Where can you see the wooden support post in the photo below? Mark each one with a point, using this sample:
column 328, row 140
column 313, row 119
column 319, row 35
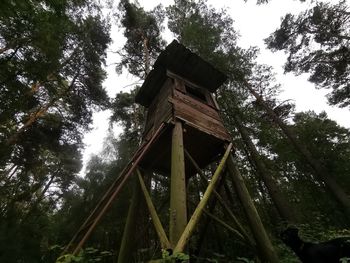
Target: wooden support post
column 129, row 243
column 264, row 244
column 106, row 201
column 227, row 226
column 203, row 180
column 178, row 210
column 156, row 221
column 199, row 210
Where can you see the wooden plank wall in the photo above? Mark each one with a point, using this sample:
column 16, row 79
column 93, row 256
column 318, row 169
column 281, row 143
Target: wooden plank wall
column 172, row 101
column 199, row 115
column 160, row 109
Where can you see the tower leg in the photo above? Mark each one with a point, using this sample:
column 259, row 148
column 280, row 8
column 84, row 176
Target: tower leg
column 178, row 210
column 180, row 246
column 264, row 244
column 128, row 244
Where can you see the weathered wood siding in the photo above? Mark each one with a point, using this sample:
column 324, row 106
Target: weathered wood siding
column 174, row 101
column 198, row 115
column 160, row 109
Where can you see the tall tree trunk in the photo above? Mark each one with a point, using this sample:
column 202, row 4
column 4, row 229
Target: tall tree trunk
column 281, row 204
column 338, row 193
column 41, row 111
column 4, row 49
column 147, row 55
column 31, row 119
column 39, row 198
column 9, row 173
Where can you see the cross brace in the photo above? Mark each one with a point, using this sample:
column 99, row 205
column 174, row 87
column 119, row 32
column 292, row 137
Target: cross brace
column 186, row 234
column 101, row 208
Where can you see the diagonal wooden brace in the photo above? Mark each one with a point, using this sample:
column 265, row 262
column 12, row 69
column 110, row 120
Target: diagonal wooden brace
column 227, row 226
column 105, row 202
column 199, row 210
column 239, row 227
column 157, row 224
column 263, row 242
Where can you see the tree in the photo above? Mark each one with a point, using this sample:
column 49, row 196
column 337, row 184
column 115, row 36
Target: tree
column 259, row 2
column 264, row 155
column 210, row 34
column 317, row 42
column 327, row 142
column 51, row 78
column 51, row 70
column 320, row 171
column 128, row 114
column 51, row 57
column 144, row 42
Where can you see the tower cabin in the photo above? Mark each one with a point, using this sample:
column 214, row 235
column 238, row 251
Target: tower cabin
column 180, row 87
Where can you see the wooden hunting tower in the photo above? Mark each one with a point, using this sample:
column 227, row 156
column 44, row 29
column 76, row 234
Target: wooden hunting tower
column 183, row 134
column 179, row 88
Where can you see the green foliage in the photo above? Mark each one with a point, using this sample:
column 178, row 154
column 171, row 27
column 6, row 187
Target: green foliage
column 69, row 259
column 245, row 260
column 81, row 199
column 88, row 255
column 51, row 58
column 142, row 30
column 176, row 257
column 317, row 43
column 327, row 142
column 130, row 115
column 210, row 34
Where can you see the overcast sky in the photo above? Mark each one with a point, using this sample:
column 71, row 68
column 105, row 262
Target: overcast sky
column 254, row 23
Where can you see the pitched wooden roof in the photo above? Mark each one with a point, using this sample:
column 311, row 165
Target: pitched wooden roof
column 181, row 61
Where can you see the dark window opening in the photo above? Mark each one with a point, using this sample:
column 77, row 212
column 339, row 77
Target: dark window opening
column 196, row 93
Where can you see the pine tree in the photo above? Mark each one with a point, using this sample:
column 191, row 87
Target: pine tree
column 317, row 42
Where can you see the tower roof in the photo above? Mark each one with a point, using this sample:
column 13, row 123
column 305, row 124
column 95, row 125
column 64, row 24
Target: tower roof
column 181, row 61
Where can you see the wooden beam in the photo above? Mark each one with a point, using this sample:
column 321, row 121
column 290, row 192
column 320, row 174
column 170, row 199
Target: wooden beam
column 106, row 201
column 178, row 209
column 227, row 226
column 199, row 210
column 264, row 244
column 155, row 219
column 240, row 228
column 129, row 243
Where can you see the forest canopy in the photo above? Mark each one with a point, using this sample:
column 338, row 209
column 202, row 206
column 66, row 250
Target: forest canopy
column 295, row 165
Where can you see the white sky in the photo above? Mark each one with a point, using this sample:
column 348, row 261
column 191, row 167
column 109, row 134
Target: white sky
column 254, row 23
